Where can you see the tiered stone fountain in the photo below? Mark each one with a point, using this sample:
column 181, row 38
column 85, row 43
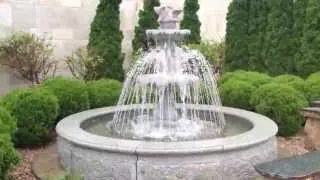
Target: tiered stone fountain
column 169, row 122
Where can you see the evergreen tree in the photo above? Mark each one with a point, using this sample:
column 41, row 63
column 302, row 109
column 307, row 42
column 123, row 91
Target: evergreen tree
column 148, row 19
column 191, row 21
column 279, row 38
column 310, row 60
column 236, row 56
column 258, row 21
column 105, row 39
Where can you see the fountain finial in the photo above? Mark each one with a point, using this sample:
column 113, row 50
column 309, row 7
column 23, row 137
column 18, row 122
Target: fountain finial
column 168, row 17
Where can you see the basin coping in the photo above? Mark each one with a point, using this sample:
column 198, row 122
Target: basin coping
column 263, row 129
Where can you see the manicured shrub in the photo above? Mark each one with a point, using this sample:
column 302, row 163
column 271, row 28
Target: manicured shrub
column 236, row 93
column 279, row 43
column 36, row 111
column 72, row 95
column 258, row 21
column 8, row 124
column 191, row 21
column 148, row 19
column 313, row 84
column 237, row 54
column 105, row 39
column 8, row 155
column 293, row 81
column 309, row 61
column 104, row 92
column 281, row 103
column 255, row 78
column 300, row 12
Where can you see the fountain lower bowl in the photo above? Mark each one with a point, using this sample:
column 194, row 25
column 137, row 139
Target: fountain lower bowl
column 100, row 156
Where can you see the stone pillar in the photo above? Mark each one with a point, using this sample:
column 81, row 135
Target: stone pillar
column 312, row 128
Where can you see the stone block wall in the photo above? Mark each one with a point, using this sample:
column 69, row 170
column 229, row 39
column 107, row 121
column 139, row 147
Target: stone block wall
column 67, row 23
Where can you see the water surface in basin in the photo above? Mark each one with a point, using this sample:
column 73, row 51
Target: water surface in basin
column 97, row 125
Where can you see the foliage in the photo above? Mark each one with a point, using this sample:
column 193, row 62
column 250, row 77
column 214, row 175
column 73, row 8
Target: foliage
column 8, row 155
column 237, row 54
column 148, row 19
column 36, row 111
column 236, row 93
column 104, row 92
column 191, row 21
column 309, row 61
column 105, row 39
column 282, row 104
column 313, row 84
column 255, row 78
column 214, row 52
column 300, row 7
column 8, row 124
column 72, row 95
column 279, row 41
column 294, row 81
column 28, row 56
column 83, row 64
column 258, row 21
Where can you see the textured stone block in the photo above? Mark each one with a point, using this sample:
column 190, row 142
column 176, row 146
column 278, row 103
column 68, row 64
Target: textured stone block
column 5, row 14
column 24, row 16
column 56, row 17
column 71, row 3
column 49, row 2
column 62, row 33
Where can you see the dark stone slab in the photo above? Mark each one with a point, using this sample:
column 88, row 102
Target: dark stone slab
column 307, row 165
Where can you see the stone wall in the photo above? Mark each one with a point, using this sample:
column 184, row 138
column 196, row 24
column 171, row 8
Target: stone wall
column 67, row 22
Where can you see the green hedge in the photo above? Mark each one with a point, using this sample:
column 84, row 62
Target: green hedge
column 294, row 81
column 36, row 111
column 8, row 124
column 8, row 155
column 236, row 93
column 282, row 104
column 72, row 95
column 313, row 84
column 104, row 92
column 255, row 78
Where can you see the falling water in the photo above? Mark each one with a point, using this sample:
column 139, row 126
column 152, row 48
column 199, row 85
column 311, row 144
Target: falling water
column 162, row 85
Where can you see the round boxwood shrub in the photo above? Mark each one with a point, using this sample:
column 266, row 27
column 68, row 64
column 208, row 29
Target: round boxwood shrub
column 71, row 93
column 236, row 93
column 293, row 81
column 7, row 122
column 104, row 92
column 35, row 111
column 313, row 84
column 228, row 75
column 282, row 104
column 314, row 76
column 255, row 78
column 8, row 155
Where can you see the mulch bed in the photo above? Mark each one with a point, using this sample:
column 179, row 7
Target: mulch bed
column 23, row 171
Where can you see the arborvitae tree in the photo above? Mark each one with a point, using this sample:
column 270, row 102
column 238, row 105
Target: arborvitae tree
column 310, row 61
column 279, row 38
column 191, row 21
column 258, row 21
column 237, row 36
column 105, row 39
column 148, row 19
